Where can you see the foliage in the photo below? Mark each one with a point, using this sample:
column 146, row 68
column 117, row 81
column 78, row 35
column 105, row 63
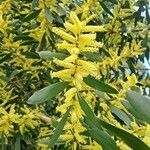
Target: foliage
column 73, row 75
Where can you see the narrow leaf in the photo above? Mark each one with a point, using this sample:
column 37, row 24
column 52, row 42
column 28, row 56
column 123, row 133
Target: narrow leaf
column 128, row 106
column 94, row 129
column 48, row 15
column 42, row 44
column 85, row 107
column 17, row 145
column 57, row 131
column 128, row 138
column 113, row 1
column 98, row 85
column 121, row 115
column 93, row 56
column 47, row 93
column 103, row 139
column 47, row 55
column 31, row 16
column 106, row 9
column 140, row 103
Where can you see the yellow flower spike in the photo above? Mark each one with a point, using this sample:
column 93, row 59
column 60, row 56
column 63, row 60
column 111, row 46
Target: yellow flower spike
column 70, row 27
column 67, row 137
column 79, row 138
column 85, row 39
column 146, row 138
column 7, row 122
column 77, row 109
column 64, row 64
column 85, row 12
column 104, row 106
column 74, row 50
column 64, row 35
column 90, row 67
column 62, row 108
column 68, row 126
column 122, row 145
column 70, row 93
column 28, row 120
column 75, row 20
column 90, row 28
column 65, row 45
column 90, row 18
column 74, row 117
column 65, row 74
column 71, row 59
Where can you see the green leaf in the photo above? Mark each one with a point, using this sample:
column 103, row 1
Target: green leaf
column 58, row 19
column 147, row 14
column 93, row 56
column 98, row 85
column 23, row 38
column 50, row 142
column 132, row 110
column 47, row 93
column 121, row 115
column 113, row 1
column 106, row 9
column 17, row 145
column 48, row 15
column 31, row 16
column 5, row 58
column 94, row 130
column 85, row 107
column 61, row 11
column 47, row 55
column 42, row 44
column 140, row 103
column 103, row 139
column 34, row 4
column 128, row 138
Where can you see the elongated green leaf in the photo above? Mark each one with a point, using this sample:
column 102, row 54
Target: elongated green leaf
column 31, row 16
column 94, row 130
column 92, row 56
column 47, row 55
column 121, row 115
column 103, row 139
column 132, row 110
column 113, row 1
column 42, row 44
column 61, row 11
column 147, row 14
column 106, row 9
column 23, row 37
column 140, row 103
column 5, row 58
column 47, row 93
column 34, row 4
column 50, row 142
column 98, row 85
column 17, row 145
column 128, row 138
column 48, row 15
column 85, row 107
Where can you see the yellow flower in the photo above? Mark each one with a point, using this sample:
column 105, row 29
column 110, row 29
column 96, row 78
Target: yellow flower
column 28, row 120
column 8, row 121
column 64, row 35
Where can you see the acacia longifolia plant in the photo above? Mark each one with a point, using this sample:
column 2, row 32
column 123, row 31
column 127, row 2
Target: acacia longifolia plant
column 74, row 75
